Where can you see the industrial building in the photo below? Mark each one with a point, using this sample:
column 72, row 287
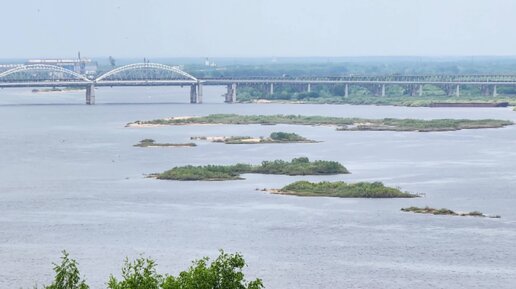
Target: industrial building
column 83, row 66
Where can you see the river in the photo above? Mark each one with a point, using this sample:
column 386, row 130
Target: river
column 71, row 179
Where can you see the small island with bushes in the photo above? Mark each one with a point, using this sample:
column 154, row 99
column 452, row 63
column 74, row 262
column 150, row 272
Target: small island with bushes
column 298, row 166
column 447, row 212
column 343, row 124
column 146, row 143
column 374, row 190
column 433, row 125
column 274, row 138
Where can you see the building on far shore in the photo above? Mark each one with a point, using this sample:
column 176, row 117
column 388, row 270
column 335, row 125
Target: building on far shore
column 209, row 63
column 83, row 66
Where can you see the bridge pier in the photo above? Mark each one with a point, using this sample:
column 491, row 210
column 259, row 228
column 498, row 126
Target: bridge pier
column 376, row 89
column 420, row 92
column 271, row 89
column 193, row 93
column 231, row 94
column 309, row 88
column 346, row 90
column 90, row 94
column 489, row 90
column 199, row 92
column 448, row 89
column 457, row 90
column 383, row 90
column 196, row 93
column 485, row 90
column 412, row 90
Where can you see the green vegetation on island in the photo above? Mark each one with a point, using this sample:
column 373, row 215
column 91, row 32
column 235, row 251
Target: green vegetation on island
column 287, row 137
column 152, row 143
column 226, row 271
column 298, row 166
column 443, row 211
column 386, row 124
column 343, row 190
column 275, row 137
column 391, row 124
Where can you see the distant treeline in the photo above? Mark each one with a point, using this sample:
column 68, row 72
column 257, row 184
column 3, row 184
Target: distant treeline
column 345, row 68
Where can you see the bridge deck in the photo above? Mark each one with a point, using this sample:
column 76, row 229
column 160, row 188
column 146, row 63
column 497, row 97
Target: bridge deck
column 213, row 82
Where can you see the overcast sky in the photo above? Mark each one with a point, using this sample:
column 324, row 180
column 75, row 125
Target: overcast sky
column 256, row 28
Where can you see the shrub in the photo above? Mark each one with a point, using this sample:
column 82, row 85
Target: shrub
column 67, row 275
column 140, row 274
column 225, row 272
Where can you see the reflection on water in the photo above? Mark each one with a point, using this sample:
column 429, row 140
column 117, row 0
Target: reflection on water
column 71, row 179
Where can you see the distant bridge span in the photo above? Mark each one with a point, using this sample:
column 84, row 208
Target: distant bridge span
column 155, row 74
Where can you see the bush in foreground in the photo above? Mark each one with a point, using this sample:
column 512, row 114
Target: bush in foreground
column 67, row 275
column 225, row 272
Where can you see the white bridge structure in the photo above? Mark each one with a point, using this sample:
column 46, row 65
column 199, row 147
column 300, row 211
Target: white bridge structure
column 155, row 74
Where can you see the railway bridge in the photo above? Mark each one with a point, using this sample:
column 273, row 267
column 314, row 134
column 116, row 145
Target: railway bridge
column 155, row 74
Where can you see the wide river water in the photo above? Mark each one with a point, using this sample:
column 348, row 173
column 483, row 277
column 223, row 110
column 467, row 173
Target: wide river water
column 71, row 179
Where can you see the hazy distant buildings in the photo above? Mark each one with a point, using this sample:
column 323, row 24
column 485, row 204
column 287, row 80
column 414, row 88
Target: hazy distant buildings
column 83, row 66
column 208, row 63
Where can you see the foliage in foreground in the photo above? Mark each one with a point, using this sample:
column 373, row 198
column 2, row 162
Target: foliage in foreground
column 225, row 272
column 67, row 275
column 387, row 124
column 298, row 166
column 344, row 190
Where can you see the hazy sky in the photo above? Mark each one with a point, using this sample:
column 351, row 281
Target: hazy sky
column 248, row 28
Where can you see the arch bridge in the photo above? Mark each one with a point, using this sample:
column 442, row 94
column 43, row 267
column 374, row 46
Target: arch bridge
column 138, row 74
column 155, row 74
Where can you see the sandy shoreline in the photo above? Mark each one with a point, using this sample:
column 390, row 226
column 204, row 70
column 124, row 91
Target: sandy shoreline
column 272, row 191
column 138, row 124
column 168, row 146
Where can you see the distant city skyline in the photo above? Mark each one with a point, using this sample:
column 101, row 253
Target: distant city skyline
column 257, row 28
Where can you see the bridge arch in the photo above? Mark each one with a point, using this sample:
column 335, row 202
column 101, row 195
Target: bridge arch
column 145, row 66
column 49, row 69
